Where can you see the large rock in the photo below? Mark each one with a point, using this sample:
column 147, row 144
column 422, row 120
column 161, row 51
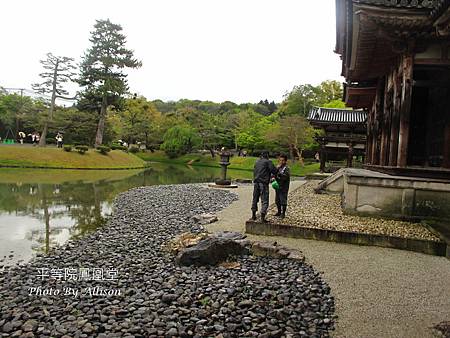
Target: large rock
column 210, row 251
column 274, row 250
column 235, row 236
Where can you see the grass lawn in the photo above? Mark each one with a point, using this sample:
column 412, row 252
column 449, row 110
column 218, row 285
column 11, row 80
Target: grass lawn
column 51, row 157
column 239, row 163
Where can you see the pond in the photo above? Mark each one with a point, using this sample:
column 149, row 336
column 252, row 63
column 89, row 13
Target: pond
column 40, row 209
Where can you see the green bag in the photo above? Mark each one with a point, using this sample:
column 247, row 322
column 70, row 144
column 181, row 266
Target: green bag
column 275, row 185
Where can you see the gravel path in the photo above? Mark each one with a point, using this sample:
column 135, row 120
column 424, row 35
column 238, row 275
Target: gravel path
column 152, row 297
column 324, row 212
column 379, row 292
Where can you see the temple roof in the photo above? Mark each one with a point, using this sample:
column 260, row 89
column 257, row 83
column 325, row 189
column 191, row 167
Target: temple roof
column 372, row 34
column 341, row 116
column 440, row 7
column 425, row 4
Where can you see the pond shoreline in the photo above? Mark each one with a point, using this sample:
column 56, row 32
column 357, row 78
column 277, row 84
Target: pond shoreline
column 159, row 298
column 71, row 168
column 236, row 162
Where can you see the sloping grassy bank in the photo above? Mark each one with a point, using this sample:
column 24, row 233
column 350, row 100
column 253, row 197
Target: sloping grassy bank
column 239, row 163
column 35, row 157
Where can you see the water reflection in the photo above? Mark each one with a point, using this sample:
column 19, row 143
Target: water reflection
column 40, row 209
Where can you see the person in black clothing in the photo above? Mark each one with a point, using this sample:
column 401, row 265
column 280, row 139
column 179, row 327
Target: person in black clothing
column 262, row 173
column 283, row 177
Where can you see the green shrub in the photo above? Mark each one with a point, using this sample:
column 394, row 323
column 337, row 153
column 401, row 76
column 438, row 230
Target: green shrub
column 153, row 147
column 172, row 154
column 68, row 148
column 118, row 147
column 50, row 140
column 82, row 149
column 104, row 150
column 134, row 150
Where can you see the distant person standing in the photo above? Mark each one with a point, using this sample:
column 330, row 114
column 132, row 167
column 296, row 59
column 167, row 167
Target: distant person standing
column 33, row 138
column 59, row 140
column 37, row 138
column 283, row 177
column 21, row 136
column 262, row 172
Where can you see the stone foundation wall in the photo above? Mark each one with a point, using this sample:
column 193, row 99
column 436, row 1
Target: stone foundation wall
column 397, row 197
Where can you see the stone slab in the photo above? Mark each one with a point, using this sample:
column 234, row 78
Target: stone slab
column 276, row 229
column 243, row 180
column 230, row 186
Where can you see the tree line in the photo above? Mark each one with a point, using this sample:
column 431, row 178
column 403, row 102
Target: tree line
column 104, row 111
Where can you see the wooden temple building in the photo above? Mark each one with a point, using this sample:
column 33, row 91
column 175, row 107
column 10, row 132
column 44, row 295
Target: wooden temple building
column 396, row 63
column 344, row 133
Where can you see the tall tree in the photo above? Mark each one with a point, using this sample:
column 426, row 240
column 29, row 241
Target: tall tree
column 327, row 91
column 299, row 101
column 138, row 121
column 58, row 70
column 102, row 75
column 180, row 140
column 238, row 122
column 210, row 129
column 292, row 132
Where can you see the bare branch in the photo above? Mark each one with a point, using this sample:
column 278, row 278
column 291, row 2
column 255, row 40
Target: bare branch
column 67, row 98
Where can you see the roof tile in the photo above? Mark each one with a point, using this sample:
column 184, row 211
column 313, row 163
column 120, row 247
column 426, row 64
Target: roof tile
column 318, row 114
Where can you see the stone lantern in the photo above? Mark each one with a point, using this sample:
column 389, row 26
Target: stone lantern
column 224, row 163
column 223, row 182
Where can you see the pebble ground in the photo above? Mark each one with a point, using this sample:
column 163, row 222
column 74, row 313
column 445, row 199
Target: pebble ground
column 263, row 298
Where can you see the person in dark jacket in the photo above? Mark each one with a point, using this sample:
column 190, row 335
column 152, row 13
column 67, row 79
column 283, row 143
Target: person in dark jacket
column 262, row 172
column 283, row 177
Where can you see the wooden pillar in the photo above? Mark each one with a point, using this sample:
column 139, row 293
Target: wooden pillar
column 393, row 153
column 405, row 111
column 350, row 155
column 384, row 110
column 383, row 149
column 367, row 155
column 377, row 125
column 322, row 157
column 370, row 136
column 374, row 148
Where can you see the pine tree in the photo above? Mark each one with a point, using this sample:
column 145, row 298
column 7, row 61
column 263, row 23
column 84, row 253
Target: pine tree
column 102, row 67
column 59, row 70
column 272, row 107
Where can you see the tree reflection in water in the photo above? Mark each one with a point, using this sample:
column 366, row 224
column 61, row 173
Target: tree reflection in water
column 69, row 203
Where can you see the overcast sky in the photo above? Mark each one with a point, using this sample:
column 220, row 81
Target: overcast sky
column 237, row 50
